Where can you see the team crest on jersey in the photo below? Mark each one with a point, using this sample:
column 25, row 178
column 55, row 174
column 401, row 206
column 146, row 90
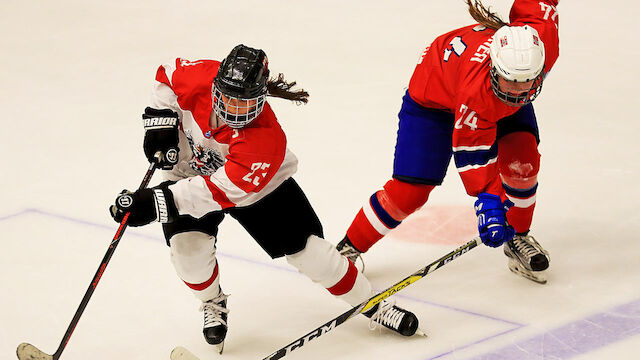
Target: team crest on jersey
column 205, row 160
column 503, row 41
column 536, row 41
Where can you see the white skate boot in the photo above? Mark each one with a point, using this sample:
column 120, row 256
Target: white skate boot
column 527, row 258
column 215, row 320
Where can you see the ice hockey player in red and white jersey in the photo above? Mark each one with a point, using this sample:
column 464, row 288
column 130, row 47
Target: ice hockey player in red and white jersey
column 470, row 97
column 224, row 153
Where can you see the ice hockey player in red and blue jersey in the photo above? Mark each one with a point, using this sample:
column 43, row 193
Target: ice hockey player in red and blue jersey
column 224, row 153
column 470, row 97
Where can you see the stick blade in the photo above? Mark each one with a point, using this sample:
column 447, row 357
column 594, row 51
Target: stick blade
column 180, row 353
column 29, row 352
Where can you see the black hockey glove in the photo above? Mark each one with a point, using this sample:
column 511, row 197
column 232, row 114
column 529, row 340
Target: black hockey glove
column 161, row 135
column 145, row 206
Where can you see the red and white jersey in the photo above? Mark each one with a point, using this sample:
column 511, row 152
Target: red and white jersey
column 453, row 75
column 218, row 167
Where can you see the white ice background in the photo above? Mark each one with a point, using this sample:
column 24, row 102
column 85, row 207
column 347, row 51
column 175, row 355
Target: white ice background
column 76, row 75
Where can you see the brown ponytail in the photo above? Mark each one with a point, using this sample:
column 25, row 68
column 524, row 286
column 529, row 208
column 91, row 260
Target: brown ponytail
column 278, row 87
column 484, row 16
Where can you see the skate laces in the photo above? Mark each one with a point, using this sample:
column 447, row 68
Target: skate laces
column 386, row 315
column 351, row 253
column 527, row 245
column 213, row 310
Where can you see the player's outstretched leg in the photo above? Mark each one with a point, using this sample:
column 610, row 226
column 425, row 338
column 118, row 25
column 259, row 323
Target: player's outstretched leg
column 527, row 257
column 321, row 262
column 215, row 320
column 385, row 210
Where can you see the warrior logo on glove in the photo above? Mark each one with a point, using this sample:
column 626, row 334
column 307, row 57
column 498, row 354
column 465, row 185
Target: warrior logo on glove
column 171, row 156
column 161, row 135
column 145, row 206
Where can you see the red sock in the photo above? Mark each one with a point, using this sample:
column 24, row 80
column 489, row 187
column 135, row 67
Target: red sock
column 385, row 210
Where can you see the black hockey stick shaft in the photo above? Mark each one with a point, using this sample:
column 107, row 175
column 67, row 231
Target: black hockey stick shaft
column 101, row 269
column 374, row 300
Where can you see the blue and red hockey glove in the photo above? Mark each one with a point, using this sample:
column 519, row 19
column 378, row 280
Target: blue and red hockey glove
column 492, row 220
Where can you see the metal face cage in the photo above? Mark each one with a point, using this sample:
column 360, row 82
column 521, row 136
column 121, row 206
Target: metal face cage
column 234, row 111
column 520, row 99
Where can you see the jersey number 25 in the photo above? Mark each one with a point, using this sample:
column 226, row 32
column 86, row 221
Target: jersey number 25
column 254, row 178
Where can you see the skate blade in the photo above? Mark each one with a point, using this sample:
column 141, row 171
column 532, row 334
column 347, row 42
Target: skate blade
column 181, row 353
column 219, row 347
column 29, row 352
column 420, row 332
column 539, row 277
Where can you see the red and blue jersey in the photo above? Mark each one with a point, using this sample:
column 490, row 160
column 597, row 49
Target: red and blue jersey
column 453, row 75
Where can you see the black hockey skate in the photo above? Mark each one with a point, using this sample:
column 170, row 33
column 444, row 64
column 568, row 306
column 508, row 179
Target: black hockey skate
column 215, row 321
column 346, row 248
column 395, row 318
column 527, row 257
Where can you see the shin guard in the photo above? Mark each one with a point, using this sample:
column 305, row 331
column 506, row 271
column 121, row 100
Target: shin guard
column 323, row 264
column 385, row 210
column 519, row 163
column 193, row 255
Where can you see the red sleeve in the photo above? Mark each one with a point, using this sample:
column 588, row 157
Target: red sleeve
column 475, row 152
column 163, row 76
column 189, row 80
column 543, row 16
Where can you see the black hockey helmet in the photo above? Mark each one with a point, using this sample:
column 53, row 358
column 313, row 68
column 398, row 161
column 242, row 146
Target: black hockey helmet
column 240, row 87
column 243, row 73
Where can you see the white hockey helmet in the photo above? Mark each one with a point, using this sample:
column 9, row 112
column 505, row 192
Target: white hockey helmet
column 517, row 55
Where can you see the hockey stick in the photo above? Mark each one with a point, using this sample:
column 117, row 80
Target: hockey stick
column 180, row 353
column 374, row 300
column 29, row 352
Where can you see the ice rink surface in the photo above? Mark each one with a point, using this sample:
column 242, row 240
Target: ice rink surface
column 76, row 75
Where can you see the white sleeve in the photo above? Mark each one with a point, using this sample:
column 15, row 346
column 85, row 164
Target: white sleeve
column 192, row 197
column 162, row 95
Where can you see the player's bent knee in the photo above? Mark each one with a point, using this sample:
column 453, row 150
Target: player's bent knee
column 193, row 255
column 519, row 160
column 519, row 175
column 191, row 243
column 520, row 182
